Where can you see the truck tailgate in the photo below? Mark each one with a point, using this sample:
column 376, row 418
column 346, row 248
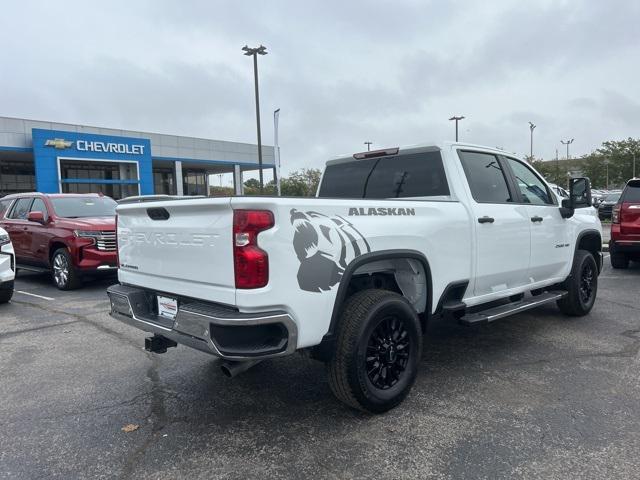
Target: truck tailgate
column 178, row 246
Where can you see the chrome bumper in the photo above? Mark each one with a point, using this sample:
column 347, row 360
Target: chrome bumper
column 208, row 327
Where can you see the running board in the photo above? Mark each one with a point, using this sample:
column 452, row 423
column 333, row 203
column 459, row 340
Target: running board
column 32, row 268
column 502, row 311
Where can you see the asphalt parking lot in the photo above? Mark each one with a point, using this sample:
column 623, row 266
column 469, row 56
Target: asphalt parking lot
column 535, row 396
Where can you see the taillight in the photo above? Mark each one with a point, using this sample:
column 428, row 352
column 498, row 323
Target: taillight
column 615, row 214
column 251, row 263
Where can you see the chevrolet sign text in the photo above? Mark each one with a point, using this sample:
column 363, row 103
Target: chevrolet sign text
column 107, row 147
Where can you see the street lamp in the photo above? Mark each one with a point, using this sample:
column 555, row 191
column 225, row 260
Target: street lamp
column 368, row 144
column 567, row 143
column 254, row 52
column 456, row 119
column 532, row 127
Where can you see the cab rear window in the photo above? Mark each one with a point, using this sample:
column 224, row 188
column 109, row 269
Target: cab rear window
column 399, row 176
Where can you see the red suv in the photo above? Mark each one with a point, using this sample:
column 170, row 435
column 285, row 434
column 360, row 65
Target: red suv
column 68, row 235
column 625, row 227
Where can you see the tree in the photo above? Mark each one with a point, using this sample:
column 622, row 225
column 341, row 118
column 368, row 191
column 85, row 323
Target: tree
column 302, row 183
column 619, row 156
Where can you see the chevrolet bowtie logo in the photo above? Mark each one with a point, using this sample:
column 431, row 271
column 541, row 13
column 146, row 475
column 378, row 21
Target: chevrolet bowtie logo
column 58, row 143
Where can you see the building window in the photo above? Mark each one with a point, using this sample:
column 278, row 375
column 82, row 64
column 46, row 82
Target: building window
column 113, row 190
column 163, row 181
column 107, row 178
column 195, row 182
column 16, row 177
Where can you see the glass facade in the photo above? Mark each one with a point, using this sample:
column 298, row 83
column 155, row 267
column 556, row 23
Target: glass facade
column 16, row 176
column 164, row 181
column 79, row 176
column 195, row 182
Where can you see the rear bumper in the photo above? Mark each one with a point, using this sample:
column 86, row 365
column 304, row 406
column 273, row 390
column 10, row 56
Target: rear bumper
column 624, row 246
column 212, row 328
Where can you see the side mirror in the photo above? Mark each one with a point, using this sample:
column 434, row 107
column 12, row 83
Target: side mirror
column 37, row 217
column 579, row 196
column 580, row 192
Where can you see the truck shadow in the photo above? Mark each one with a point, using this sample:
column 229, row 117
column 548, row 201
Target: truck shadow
column 296, row 386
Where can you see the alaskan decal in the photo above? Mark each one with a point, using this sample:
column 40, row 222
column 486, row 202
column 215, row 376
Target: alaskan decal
column 382, row 211
column 324, row 246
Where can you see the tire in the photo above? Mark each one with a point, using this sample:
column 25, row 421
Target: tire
column 6, row 295
column 64, row 275
column 582, row 286
column 619, row 260
column 358, row 380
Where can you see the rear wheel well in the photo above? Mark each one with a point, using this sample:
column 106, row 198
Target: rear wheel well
column 406, row 272
column 405, row 276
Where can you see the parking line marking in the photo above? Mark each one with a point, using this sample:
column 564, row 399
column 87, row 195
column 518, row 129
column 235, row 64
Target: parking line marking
column 34, row 295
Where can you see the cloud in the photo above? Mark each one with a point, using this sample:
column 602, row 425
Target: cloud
column 391, row 72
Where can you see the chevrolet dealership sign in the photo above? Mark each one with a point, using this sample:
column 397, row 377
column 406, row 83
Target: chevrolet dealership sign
column 95, row 146
column 58, row 143
column 108, row 147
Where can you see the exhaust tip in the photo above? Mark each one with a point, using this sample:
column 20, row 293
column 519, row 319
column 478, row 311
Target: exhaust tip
column 226, row 371
column 233, row 369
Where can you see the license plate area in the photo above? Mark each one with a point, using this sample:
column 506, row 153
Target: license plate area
column 167, row 307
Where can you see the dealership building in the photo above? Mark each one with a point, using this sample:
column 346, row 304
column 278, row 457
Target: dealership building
column 53, row 157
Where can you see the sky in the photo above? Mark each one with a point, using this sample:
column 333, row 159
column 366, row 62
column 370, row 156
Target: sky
column 341, row 72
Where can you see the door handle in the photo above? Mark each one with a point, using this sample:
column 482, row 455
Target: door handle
column 537, row 219
column 486, row 219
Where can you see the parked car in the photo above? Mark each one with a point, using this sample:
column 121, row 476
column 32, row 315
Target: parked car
column 625, row 227
column 559, row 191
column 597, row 196
column 69, row 235
column 606, row 206
column 396, row 237
column 7, row 267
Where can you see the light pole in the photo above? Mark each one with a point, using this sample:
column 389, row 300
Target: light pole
column 368, row 144
column 456, row 119
column 632, row 151
column 532, row 127
column 557, row 168
column 567, row 143
column 254, row 52
column 606, row 164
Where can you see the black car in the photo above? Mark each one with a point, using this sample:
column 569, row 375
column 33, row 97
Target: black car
column 606, row 206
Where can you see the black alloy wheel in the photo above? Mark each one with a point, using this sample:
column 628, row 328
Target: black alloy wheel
column 388, row 352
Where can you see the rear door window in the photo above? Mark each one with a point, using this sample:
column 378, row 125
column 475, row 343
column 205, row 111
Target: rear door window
column 486, row 178
column 20, row 209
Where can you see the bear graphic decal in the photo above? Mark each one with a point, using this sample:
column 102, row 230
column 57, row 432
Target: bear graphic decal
column 324, row 245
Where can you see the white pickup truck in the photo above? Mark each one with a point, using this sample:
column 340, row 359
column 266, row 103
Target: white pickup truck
column 393, row 239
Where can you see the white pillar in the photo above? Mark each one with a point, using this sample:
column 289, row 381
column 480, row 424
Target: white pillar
column 207, row 184
column 237, row 180
column 179, row 189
